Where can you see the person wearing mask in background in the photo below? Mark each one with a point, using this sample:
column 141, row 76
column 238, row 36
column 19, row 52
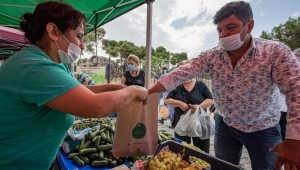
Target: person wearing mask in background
column 164, row 70
column 188, row 95
column 297, row 53
column 134, row 76
column 247, row 77
column 283, row 108
column 40, row 96
column 84, row 79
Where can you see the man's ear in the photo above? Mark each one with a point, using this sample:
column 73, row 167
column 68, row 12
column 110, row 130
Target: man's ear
column 52, row 31
column 250, row 25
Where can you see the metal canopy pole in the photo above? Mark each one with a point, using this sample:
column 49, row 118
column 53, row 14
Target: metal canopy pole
column 148, row 44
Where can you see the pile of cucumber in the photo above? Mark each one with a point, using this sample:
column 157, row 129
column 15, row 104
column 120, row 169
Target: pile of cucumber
column 96, row 147
column 163, row 135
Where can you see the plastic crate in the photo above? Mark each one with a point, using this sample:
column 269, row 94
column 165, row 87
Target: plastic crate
column 216, row 164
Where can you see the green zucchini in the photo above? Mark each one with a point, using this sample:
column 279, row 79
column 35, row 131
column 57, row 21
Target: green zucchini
column 113, row 163
column 78, row 161
column 82, row 142
column 101, row 163
column 103, row 137
column 101, row 155
column 71, row 155
column 88, row 151
column 84, row 159
column 93, row 156
column 105, row 147
column 92, row 135
column 86, row 145
column 107, row 136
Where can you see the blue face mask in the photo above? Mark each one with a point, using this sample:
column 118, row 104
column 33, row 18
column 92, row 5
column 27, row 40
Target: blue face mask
column 131, row 67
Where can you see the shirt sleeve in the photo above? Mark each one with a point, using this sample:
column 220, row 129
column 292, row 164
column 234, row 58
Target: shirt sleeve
column 285, row 73
column 206, row 93
column 45, row 82
column 172, row 94
column 196, row 67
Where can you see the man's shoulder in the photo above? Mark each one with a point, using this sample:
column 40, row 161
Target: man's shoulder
column 260, row 42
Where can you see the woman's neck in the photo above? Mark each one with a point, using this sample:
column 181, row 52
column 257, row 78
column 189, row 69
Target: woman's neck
column 134, row 73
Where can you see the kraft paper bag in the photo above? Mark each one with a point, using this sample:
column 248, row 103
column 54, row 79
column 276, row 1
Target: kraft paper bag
column 136, row 129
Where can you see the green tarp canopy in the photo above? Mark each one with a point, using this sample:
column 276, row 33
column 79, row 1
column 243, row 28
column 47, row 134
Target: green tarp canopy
column 97, row 12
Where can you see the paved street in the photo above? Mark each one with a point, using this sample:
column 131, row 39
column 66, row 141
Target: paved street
column 245, row 160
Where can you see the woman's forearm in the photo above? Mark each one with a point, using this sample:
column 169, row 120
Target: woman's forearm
column 206, row 103
column 173, row 102
column 105, row 87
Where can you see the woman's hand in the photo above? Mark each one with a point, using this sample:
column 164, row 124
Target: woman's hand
column 142, row 93
column 183, row 106
column 193, row 107
column 117, row 86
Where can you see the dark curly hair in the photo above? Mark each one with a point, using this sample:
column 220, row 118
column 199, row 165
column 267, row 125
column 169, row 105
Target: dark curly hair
column 240, row 9
column 62, row 15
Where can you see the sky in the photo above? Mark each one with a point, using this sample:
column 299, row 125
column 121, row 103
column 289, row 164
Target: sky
column 187, row 25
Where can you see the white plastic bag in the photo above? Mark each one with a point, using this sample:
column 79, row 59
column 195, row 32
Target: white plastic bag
column 207, row 124
column 182, row 124
column 194, row 128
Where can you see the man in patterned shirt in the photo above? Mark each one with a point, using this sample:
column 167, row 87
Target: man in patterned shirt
column 247, row 76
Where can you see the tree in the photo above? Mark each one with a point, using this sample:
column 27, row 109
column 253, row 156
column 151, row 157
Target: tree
column 110, row 47
column 92, row 42
column 177, row 57
column 288, row 33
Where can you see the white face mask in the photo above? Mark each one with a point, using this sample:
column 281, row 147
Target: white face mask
column 73, row 53
column 232, row 42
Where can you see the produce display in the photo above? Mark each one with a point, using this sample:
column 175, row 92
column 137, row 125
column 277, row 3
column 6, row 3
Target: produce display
column 200, row 161
column 96, row 147
column 191, row 146
column 168, row 160
column 163, row 135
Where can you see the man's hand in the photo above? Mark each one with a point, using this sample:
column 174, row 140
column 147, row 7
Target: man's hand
column 288, row 154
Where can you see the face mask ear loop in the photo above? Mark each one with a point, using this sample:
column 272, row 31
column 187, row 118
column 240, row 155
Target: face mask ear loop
column 57, row 45
column 63, row 36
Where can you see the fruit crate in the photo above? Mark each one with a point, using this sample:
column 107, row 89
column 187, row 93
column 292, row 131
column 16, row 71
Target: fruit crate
column 216, row 164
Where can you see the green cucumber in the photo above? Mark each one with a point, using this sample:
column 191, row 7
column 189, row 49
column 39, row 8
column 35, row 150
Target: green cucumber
column 84, row 159
column 105, row 147
column 102, row 163
column 88, row 151
column 78, row 161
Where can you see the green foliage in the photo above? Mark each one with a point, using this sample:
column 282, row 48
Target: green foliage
column 177, row 57
column 288, row 33
column 91, row 42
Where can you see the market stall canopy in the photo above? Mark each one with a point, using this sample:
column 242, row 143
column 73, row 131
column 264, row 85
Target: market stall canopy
column 97, row 12
column 11, row 40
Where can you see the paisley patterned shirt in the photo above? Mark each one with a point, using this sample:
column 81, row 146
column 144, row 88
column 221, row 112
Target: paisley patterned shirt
column 247, row 96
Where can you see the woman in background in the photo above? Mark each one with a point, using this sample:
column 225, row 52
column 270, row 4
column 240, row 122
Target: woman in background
column 134, row 76
column 187, row 96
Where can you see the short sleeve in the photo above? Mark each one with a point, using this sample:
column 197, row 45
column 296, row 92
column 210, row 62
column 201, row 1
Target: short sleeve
column 45, row 81
column 172, row 94
column 206, row 93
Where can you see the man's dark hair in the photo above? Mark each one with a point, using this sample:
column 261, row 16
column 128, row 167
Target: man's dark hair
column 240, row 9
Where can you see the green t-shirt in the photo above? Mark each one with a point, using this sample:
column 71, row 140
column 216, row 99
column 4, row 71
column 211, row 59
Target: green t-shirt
column 30, row 132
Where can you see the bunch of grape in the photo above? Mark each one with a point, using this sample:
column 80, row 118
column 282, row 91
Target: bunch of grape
column 168, row 160
column 191, row 146
column 200, row 161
